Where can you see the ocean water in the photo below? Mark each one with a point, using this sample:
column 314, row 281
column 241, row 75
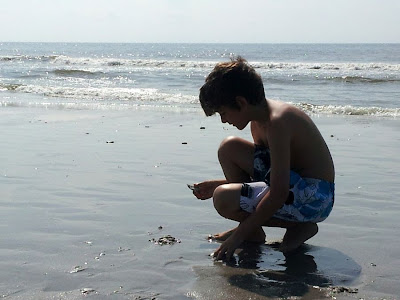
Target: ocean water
column 351, row 79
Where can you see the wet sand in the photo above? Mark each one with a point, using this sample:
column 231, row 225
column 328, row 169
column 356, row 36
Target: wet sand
column 85, row 195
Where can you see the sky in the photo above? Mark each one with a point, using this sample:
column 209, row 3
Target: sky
column 200, row 21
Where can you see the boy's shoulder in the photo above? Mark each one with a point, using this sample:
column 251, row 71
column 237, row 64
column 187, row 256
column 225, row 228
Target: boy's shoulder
column 287, row 120
column 282, row 113
column 283, row 119
column 276, row 125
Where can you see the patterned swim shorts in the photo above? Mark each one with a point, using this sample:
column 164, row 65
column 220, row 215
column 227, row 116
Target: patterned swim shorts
column 310, row 200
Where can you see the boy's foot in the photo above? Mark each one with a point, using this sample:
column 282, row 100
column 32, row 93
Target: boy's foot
column 257, row 237
column 222, row 236
column 297, row 235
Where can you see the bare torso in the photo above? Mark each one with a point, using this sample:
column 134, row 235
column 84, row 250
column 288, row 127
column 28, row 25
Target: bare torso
column 309, row 154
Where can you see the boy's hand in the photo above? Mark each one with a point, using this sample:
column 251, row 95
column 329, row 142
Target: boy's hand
column 205, row 190
column 227, row 248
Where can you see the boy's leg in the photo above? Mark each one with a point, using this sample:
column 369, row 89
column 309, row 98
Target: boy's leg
column 296, row 235
column 236, row 157
column 296, row 232
column 227, row 203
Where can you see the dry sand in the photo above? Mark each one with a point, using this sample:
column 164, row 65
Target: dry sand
column 84, row 193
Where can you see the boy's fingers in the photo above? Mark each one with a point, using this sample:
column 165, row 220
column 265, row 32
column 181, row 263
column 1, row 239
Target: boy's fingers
column 224, row 252
column 196, row 189
column 229, row 254
column 198, row 194
column 219, row 256
column 216, row 253
column 220, row 253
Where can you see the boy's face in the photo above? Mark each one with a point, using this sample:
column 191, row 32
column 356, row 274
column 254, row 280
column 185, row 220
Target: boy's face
column 233, row 117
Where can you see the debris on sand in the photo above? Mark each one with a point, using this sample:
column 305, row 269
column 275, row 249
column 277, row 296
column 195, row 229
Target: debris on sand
column 343, row 289
column 165, row 240
column 87, row 291
column 120, row 249
column 77, row 269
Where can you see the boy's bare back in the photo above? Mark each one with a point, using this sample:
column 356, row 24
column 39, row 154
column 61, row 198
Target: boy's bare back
column 309, row 154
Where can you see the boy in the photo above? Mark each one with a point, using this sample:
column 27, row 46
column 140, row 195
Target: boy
column 284, row 179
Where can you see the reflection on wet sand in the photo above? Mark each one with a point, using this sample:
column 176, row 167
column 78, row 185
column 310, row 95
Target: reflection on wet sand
column 263, row 272
column 298, row 273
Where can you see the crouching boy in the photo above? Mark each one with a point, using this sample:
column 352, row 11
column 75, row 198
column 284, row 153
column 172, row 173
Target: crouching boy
column 283, row 178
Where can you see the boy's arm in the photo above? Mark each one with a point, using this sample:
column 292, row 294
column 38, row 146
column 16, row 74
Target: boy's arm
column 279, row 142
column 204, row 190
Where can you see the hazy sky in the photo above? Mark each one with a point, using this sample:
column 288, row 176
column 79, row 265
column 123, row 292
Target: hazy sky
column 244, row 21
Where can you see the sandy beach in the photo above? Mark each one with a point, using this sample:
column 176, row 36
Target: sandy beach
column 85, row 193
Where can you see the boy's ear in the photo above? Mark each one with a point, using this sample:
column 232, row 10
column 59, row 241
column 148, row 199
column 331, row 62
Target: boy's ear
column 241, row 102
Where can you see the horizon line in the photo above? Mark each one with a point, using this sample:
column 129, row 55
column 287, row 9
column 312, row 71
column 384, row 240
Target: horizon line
column 141, row 42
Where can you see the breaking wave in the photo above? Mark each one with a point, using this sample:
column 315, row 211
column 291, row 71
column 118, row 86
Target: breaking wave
column 349, row 110
column 9, row 87
column 76, row 72
column 136, row 95
column 157, row 63
column 210, row 64
column 361, row 79
column 126, row 98
column 44, row 58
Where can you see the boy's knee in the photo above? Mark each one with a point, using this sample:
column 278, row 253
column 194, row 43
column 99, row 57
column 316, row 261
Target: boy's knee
column 219, row 200
column 227, row 145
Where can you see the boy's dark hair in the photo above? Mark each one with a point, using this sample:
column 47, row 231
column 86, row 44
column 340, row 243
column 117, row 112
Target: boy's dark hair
column 229, row 80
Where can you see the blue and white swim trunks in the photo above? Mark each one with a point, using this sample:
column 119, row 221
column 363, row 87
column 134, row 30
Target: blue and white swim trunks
column 310, row 200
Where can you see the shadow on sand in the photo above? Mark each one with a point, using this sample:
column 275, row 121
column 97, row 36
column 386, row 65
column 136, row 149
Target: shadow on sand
column 263, row 272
